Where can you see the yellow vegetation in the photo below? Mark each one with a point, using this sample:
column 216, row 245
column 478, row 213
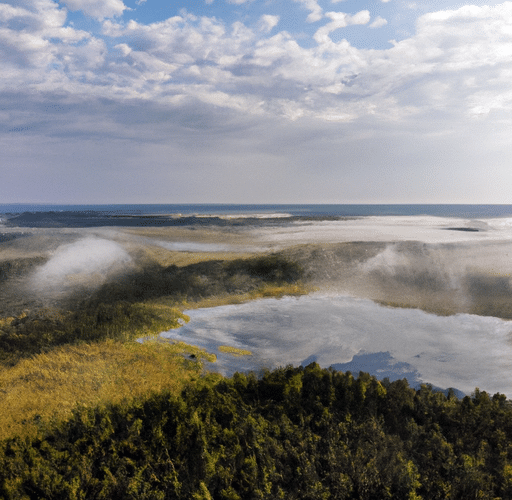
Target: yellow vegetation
column 280, row 291
column 430, row 308
column 6, row 321
column 168, row 257
column 235, row 351
column 49, row 386
column 265, row 291
column 191, row 351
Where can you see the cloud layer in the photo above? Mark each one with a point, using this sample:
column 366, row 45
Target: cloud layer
column 92, row 70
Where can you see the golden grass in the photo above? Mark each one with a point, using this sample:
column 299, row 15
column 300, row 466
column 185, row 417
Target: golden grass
column 160, row 317
column 192, row 350
column 194, row 234
column 430, row 308
column 234, row 351
column 265, row 291
column 6, row 321
column 280, row 291
column 48, row 386
column 166, row 257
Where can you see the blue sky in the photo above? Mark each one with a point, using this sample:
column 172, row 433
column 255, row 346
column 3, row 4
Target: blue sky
column 262, row 101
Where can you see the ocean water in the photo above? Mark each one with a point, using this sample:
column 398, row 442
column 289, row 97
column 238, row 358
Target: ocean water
column 297, row 210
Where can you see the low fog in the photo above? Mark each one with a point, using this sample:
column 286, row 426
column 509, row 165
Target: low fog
column 444, row 278
column 86, row 263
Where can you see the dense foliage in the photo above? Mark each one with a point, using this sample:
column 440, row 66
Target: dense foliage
column 294, row 433
column 200, row 280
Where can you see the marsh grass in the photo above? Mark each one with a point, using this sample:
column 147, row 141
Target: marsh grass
column 491, row 307
column 191, row 351
column 44, row 329
column 500, row 307
column 47, row 387
column 234, row 351
column 428, row 308
column 264, row 291
column 277, row 291
column 165, row 258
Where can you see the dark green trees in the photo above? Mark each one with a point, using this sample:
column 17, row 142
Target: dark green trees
column 294, row 433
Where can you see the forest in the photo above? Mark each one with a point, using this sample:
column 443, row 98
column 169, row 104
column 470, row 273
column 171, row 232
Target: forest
column 292, row 433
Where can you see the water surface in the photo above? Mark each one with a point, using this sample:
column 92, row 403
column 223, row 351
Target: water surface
column 461, row 351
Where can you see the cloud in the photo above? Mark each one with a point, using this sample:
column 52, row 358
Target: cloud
column 98, row 9
column 453, row 50
column 186, row 58
column 379, row 22
column 268, row 22
column 32, row 35
column 316, row 12
column 339, row 20
column 189, row 78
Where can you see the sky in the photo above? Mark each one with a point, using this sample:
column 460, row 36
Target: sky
column 255, row 101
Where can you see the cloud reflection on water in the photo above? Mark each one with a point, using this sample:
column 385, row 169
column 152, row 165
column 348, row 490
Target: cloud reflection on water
column 461, row 351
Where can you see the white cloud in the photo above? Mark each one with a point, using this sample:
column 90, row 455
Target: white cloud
column 28, row 35
column 268, row 22
column 316, row 12
column 98, row 9
column 339, row 20
column 188, row 59
column 379, row 22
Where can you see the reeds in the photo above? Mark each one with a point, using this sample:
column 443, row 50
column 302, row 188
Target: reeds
column 47, row 387
column 234, row 351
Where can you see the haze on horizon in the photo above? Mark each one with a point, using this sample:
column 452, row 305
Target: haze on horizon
column 253, row 101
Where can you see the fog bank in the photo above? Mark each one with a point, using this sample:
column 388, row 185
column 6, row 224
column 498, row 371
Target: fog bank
column 426, row 229
column 85, row 263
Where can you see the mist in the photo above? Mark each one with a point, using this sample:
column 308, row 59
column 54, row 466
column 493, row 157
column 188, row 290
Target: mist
column 432, row 263
column 81, row 265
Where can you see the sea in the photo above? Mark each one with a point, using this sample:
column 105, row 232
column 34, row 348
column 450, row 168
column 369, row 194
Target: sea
column 46, row 215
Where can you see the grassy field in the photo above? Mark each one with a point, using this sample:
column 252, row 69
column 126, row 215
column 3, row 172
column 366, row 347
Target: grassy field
column 46, row 388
